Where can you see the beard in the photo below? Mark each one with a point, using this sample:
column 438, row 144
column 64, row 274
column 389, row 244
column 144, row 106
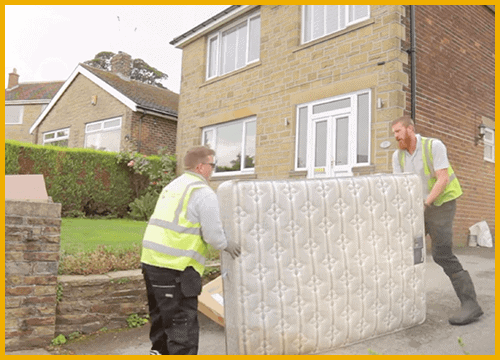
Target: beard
column 404, row 144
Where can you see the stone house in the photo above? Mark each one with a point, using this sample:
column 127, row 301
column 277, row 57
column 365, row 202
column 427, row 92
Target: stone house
column 109, row 111
column 310, row 91
column 24, row 102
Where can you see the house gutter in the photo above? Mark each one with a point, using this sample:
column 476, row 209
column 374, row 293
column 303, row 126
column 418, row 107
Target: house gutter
column 139, row 143
column 413, row 57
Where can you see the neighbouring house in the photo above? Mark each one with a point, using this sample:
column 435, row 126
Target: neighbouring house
column 310, row 91
column 108, row 111
column 24, row 102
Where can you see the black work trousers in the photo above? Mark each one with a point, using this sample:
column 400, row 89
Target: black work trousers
column 439, row 225
column 173, row 309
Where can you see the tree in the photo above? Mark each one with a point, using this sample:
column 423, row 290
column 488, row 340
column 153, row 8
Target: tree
column 141, row 71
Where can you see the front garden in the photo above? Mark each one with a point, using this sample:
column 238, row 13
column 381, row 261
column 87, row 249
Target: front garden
column 107, row 199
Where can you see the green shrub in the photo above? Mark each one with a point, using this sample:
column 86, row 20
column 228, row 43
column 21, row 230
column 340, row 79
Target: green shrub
column 89, row 182
column 59, row 340
column 135, row 320
column 160, row 170
column 100, row 261
column 142, row 208
column 12, row 158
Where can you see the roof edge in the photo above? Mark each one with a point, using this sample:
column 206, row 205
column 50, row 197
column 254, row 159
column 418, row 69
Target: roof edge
column 206, row 26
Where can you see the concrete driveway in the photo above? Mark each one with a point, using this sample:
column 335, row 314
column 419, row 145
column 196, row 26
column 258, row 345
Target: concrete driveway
column 434, row 337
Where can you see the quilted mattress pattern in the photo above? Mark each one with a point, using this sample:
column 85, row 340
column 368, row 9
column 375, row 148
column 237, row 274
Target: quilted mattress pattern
column 325, row 263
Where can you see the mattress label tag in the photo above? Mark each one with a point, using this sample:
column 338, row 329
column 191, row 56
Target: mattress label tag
column 218, row 298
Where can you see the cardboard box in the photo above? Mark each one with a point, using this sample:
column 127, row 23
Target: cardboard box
column 211, row 301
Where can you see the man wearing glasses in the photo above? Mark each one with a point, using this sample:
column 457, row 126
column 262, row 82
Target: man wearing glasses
column 186, row 218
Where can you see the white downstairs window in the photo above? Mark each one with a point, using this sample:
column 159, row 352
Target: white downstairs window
column 57, row 137
column 232, row 142
column 104, row 135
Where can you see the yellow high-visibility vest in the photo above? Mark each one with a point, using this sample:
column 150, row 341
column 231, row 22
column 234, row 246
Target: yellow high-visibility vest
column 452, row 191
column 171, row 240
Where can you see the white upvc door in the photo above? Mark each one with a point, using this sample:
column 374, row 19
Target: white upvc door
column 330, row 147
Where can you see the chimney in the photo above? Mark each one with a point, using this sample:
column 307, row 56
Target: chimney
column 13, row 79
column 121, row 64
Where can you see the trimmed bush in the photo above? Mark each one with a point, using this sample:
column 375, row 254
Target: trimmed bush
column 85, row 181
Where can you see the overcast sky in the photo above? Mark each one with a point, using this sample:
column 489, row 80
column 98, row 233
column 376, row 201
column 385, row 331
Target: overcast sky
column 46, row 43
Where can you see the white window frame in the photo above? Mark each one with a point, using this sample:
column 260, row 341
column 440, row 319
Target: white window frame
column 214, row 128
column 102, row 129
column 347, row 23
column 489, row 144
column 351, row 111
column 219, row 51
column 21, row 115
column 57, row 137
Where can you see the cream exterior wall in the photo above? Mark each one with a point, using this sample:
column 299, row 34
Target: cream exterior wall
column 74, row 109
column 20, row 132
column 289, row 74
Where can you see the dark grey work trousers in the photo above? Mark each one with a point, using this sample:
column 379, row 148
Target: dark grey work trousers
column 439, row 225
column 173, row 309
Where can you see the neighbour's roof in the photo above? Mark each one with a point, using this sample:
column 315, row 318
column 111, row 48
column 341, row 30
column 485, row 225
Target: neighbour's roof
column 134, row 94
column 33, row 91
column 146, row 96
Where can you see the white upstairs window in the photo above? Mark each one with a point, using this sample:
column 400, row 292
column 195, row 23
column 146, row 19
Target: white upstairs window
column 14, row 114
column 234, row 47
column 321, row 20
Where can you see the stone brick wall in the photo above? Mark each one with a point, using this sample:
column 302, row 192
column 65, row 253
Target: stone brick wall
column 21, row 132
column 455, row 93
column 455, row 90
column 32, row 237
column 366, row 55
column 75, row 109
column 89, row 303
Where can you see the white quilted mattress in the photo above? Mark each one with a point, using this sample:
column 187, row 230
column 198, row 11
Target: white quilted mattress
column 325, row 263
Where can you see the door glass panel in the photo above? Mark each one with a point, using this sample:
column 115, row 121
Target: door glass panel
column 363, row 129
column 302, row 139
column 332, row 105
column 321, row 143
column 342, row 141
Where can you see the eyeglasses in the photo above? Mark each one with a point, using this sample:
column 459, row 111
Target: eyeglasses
column 211, row 164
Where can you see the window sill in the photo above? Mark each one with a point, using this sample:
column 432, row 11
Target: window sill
column 336, row 34
column 221, row 178
column 233, row 73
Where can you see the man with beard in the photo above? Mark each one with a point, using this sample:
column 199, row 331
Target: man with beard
column 427, row 158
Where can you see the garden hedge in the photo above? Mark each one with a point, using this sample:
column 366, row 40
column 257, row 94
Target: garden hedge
column 85, row 181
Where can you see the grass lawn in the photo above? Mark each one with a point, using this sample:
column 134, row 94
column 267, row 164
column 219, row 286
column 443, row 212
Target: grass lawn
column 84, row 235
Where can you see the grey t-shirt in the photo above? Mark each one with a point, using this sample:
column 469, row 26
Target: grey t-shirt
column 203, row 207
column 415, row 165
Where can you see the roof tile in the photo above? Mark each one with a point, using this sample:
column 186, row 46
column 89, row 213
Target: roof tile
column 147, row 96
